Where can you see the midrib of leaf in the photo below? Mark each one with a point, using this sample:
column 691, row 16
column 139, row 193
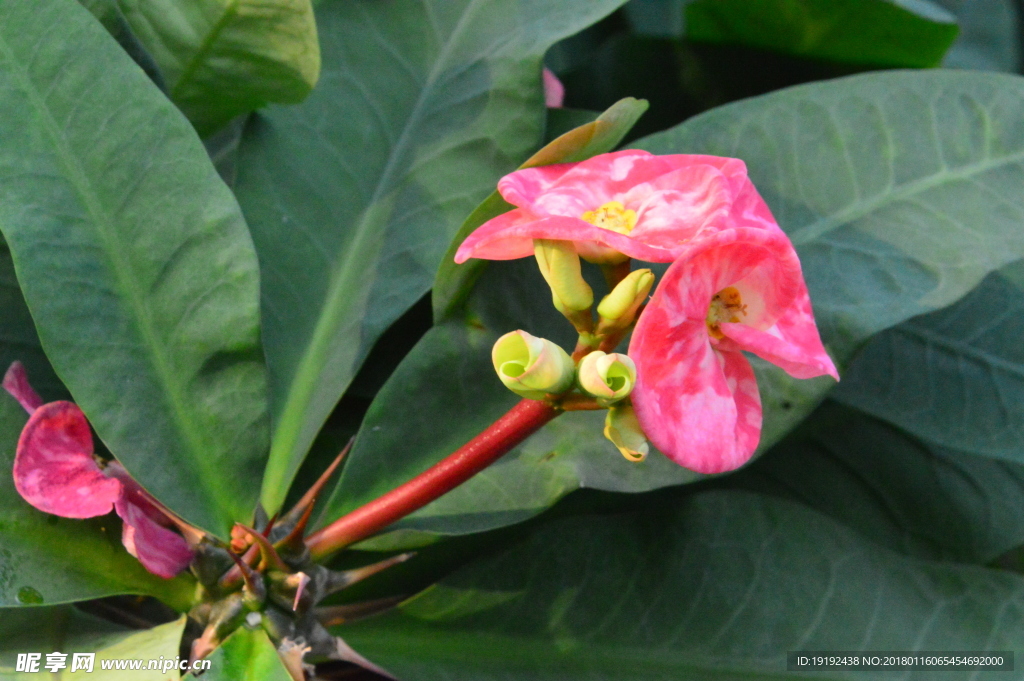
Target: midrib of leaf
column 859, row 209
column 194, row 63
column 964, row 349
column 280, row 466
column 79, row 180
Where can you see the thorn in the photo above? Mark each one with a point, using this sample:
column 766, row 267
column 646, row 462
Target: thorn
column 345, row 652
column 270, row 557
column 232, row 576
column 300, row 589
column 333, row 615
column 305, row 504
column 293, row 541
column 248, row 574
column 340, row 580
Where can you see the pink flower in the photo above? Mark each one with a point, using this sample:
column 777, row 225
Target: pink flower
column 54, row 471
column 628, row 203
column 696, row 396
column 554, row 91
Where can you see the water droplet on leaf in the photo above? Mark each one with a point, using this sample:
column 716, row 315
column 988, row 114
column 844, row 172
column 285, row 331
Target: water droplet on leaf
column 29, row 596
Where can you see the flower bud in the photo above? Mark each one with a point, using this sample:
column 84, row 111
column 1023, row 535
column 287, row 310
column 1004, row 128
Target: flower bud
column 623, row 429
column 618, row 308
column 532, row 367
column 608, row 378
column 560, row 265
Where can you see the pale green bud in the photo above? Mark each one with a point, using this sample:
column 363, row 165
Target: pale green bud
column 532, row 367
column 560, row 264
column 618, row 308
column 623, row 429
column 608, row 378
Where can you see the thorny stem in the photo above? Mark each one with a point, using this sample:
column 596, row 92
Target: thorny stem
column 519, row 423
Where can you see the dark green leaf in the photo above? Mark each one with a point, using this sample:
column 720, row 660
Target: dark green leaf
column 65, row 630
column 135, row 262
column 247, row 655
column 424, row 104
column 110, row 15
column 222, row 58
column 46, row 559
column 873, row 32
column 894, row 489
column 454, row 282
column 900, row 191
column 955, row 376
column 720, row 587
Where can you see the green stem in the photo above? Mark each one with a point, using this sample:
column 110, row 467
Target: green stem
column 519, row 423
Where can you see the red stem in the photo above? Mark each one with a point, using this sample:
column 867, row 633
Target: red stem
column 519, row 423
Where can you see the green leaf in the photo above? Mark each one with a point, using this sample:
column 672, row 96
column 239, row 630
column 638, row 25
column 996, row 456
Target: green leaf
column 109, row 13
column 247, row 655
column 989, row 35
column 454, row 282
column 871, row 32
column 719, row 587
column 908, row 495
column 222, row 58
column 424, row 104
column 900, row 190
column 65, row 630
column 445, row 392
column 135, row 262
column 955, row 376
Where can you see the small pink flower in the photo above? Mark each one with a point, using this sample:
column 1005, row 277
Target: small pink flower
column 55, row 471
column 554, row 91
column 696, row 396
column 628, row 203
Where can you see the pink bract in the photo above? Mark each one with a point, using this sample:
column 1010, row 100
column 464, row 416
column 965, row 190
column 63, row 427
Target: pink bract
column 670, row 201
column 554, row 91
column 54, row 471
column 696, row 396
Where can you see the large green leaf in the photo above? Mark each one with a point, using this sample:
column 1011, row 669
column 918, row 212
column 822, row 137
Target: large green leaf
column 719, row 587
column 247, row 655
column 423, row 105
column 900, row 190
column 65, row 630
column 908, row 495
column 47, row 559
column 135, row 263
column 222, row 58
column 955, row 376
column 872, row 32
column 989, row 35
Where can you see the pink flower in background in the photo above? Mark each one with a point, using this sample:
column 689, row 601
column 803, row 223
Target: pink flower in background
column 696, row 396
column 54, row 471
column 554, row 91
column 628, row 203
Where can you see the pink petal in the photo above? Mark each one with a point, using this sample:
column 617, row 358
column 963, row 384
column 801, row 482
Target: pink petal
column 54, row 469
column 700, row 407
column 554, row 91
column 792, row 343
column 161, row 551
column 16, row 383
column 145, row 532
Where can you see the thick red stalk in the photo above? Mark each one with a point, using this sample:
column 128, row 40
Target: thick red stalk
column 519, row 423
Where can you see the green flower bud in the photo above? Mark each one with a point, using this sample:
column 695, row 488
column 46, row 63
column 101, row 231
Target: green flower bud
column 532, row 367
column 608, row 378
column 618, row 308
column 560, row 264
column 623, row 429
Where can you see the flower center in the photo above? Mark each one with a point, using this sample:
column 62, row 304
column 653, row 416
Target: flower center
column 726, row 306
column 612, row 216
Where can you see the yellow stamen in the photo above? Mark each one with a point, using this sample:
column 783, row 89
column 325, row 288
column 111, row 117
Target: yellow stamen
column 612, row 216
column 726, row 306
